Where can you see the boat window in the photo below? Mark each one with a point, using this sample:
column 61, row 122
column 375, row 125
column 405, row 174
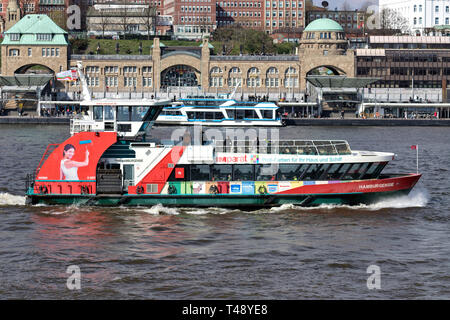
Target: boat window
column 323, row 169
column 267, row 114
column 353, row 173
column 325, row 148
column 266, row 172
column 190, row 115
column 240, row 114
column 123, row 113
column 375, row 170
column 371, row 170
column 251, row 114
column 342, row 147
column 199, row 115
column 311, row 173
column 98, row 113
column 243, row 172
column 138, row 113
column 342, row 170
column 291, row 172
column 209, row 115
column 230, row 113
column 200, row 172
column 109, row 114
column 362, row 170
column 218, row 115
column 222, row 172
column 332, row 173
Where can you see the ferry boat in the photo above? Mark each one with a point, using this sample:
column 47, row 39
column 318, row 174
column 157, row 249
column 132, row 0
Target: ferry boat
column 109, row 161
column 211, row 111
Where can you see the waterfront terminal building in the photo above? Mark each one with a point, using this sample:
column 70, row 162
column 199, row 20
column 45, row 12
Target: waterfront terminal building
column 399, row 68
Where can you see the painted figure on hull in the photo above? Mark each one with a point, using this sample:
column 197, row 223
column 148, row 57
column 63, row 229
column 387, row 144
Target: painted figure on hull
column 69, row 167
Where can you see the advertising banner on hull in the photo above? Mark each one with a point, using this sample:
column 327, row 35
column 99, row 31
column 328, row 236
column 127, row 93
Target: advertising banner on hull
column 76, row 158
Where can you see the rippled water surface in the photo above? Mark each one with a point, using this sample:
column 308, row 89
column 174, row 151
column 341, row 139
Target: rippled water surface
column 281, row 253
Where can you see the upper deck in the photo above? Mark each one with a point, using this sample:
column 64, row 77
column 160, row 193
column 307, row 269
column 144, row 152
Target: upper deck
column 129, row 118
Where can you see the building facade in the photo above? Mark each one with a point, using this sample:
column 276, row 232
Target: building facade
column 34, row 41
column 347, row 19
column 420, row 14
column 398, row 62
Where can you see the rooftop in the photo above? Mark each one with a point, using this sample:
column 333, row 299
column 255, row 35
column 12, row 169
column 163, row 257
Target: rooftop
column 324, row 24
column 29, row 26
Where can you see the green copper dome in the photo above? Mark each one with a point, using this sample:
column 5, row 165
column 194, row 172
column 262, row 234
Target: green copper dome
column 324, row 24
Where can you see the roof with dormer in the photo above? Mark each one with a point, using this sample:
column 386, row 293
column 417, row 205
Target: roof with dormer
column 32, row 25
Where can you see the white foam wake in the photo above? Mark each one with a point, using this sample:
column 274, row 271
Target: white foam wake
column 7, row 199
column 160, row 209
column 418, row 198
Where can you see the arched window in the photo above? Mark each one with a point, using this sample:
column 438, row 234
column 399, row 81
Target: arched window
column 235, row 70
column 234, row 77
column 215, row 78
column 272, row 80
column 253, row 79
column 272, row 71
column 290, row 78
column 216, row 70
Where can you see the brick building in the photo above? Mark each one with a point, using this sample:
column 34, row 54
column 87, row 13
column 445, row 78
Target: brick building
column 191, row 19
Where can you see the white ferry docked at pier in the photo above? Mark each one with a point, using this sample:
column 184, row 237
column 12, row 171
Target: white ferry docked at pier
column 210, row 111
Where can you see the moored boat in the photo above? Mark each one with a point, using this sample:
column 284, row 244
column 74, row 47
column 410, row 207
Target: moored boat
column 211, row 111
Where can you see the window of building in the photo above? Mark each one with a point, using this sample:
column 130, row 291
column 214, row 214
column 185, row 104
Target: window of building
column 146, row 82
column 14, row 36
column 14, row 52
column 43, row 37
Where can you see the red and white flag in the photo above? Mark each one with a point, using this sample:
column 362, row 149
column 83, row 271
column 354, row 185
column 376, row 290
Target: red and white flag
column 414, row 147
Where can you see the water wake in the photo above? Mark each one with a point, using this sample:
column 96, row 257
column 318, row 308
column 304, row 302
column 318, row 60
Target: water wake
column 7, row 199
column 418, row 198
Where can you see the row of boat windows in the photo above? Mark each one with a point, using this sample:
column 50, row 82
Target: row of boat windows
column 123, row 113
column 213, row 102
column 218, row 115
column 280, row 172
column 286, row 147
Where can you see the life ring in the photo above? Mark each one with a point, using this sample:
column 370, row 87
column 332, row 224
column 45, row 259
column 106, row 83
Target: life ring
column 213, row 189
column 172, row 189
column 140, row 190
column 262, row 189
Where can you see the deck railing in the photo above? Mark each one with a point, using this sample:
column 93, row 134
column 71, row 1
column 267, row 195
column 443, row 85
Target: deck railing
column 293, row 147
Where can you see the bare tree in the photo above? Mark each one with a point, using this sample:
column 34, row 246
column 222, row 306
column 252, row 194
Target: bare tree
column 390, row 19
column 124, row 17
column 104, row 21
column 148, row 20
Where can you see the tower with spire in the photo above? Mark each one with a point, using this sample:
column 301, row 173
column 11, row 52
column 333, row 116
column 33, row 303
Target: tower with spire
column 13, row 14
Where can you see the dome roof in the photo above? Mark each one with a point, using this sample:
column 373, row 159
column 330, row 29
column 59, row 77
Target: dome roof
column 324, row 24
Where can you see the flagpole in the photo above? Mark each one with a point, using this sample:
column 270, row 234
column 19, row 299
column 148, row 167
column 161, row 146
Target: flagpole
column 417, row 159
